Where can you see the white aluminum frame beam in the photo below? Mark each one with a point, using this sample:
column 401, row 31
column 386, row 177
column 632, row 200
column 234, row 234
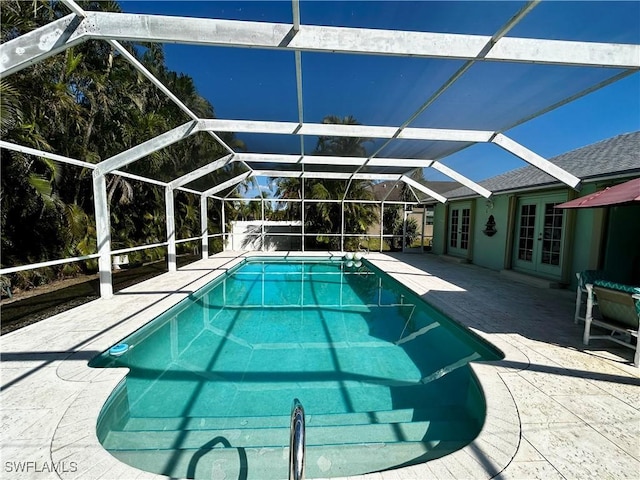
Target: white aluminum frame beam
column 537, row 161
column 103, row 233
column 80, row 163
column 325, row 175
column 559, row 51
column 295, row 13
column 422, row 188
column 170, row 219
column 236, row 187
column 204, row 225
column 227, row 184
column 341, row 130
column 202, row 171
column 461, row 179
column 73, row 29
column 147, row 148
column 312, row 200
column 142, row 69
column 41, row 43
column 51, row 263
column 344, row 161
column 41, row 153
column 75, row 8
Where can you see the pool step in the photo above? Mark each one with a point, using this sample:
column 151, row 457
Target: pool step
column 270, row 437
column 228, row 399
column 272, row 463
column 340, row 444
column 356, row 418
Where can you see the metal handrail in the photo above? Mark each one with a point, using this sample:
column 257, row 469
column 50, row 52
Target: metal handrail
column 296, row 442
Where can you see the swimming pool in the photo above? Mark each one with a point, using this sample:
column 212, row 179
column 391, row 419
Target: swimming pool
column 382, row 376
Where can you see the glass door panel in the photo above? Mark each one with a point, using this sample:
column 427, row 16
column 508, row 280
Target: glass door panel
column 526, row 239
column 460, row 230
column 551, row 248
column 453, row 229
column 539, row 235
column 464, row 229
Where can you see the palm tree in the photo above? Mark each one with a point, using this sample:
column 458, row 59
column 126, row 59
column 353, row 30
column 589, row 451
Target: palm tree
column 341, row 146
column 90, row 103
column 393, row 217
column 326, row 217
column 288, row 189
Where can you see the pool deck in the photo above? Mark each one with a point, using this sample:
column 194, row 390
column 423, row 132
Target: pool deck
column 555, row 408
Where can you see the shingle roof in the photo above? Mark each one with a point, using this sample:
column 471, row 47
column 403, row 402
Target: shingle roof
column 380, row 190
column 616, row 155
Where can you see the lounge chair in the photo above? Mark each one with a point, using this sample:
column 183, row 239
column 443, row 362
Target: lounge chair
column 619, row 307
column 585, row 277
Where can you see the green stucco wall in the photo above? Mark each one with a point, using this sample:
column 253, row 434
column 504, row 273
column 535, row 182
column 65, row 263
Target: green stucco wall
column 486, row 251
column 489, row 252
column 608, row 240
column 592, row 241
column 587, row 233
column 439, row 229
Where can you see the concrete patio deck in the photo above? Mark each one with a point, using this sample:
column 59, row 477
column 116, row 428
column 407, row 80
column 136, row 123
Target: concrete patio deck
column 555, row 409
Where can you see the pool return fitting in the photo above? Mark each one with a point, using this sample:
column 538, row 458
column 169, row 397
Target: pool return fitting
column 296, row 442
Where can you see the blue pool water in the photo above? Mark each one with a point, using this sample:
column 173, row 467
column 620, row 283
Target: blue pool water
column 383, row 377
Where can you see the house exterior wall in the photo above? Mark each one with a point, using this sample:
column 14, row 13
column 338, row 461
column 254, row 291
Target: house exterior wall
column 552, row 245
column 488, row 251
column 439, row 229
column 587, row 234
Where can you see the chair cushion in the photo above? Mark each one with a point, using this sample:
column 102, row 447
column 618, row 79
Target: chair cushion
column 616, row 286
column 590, row 276
column 616, row 303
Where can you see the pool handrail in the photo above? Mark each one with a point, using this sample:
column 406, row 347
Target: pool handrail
column 297, row 442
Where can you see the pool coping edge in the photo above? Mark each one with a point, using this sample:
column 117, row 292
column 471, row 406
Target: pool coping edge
column 75, row 438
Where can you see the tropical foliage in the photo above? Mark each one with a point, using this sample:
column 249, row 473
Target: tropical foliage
column 393, row 217
column 89, row 103
column 395, row 225
column 322, row 216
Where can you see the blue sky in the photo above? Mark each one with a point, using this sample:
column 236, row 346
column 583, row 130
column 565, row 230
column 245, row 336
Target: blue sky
column 259, row 84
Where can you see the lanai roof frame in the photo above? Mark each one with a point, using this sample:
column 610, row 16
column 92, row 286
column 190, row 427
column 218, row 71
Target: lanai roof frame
column 298, row 37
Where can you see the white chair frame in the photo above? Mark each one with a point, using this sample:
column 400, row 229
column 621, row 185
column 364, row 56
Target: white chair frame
column 628, row 332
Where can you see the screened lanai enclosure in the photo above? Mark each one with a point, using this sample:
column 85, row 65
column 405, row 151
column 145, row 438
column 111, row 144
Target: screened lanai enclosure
column 316, row 103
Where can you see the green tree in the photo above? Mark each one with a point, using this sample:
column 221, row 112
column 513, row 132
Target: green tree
column 326, row 216
column 393, row 217
column 394, row 224
column 90, row 103
column 341, row 146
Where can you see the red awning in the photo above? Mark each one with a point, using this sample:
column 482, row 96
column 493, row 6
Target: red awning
column 627, row 192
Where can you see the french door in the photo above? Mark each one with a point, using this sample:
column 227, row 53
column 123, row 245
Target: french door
column 459, row 229
column 539, row 236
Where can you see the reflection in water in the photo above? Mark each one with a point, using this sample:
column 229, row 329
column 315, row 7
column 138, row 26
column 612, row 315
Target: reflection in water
column 372, row 363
